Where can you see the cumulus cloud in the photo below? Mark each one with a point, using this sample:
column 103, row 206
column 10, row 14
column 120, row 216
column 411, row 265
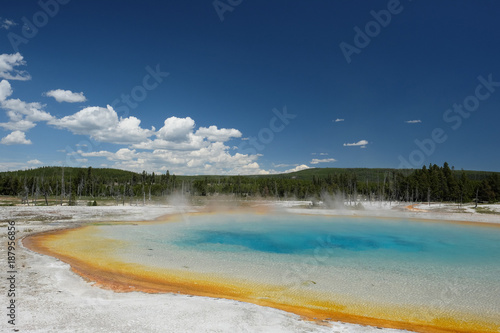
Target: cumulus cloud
column 66, row 96
column 88, row 120
column 192, row 143
column 212, row 133
column 21, row 125
column 7, row 64
column 18, row 110
column 283, row 165
column 413, row 121
column 34, row 162
column 212, row 159
column 179, row 134
column 177, row 146
column 361, row 144
column 338, row 120
column 298, row 168
column 15, row 138
column 325, row 160
column 5, row 90
column 22, row 115
column 176, row 129
column 103, row 124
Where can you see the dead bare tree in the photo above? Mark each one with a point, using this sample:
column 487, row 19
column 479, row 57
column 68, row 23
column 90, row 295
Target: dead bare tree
column 62, row 186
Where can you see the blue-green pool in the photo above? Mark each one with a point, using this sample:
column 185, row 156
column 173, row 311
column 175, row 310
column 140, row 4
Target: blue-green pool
column 430, row 273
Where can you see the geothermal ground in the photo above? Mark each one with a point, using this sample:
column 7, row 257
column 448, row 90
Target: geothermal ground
column 49, row 297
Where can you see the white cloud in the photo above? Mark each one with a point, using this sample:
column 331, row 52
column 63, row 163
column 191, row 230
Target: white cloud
column 88, row 120
column 212, row 159
column 34, row 162
column 177, row 146
column 6, row 23
column 325, row 160
column 66, row 96
column 22, row 115
column 21, row 125
column 32, row 111
column 176, row 129
column 192, row 143
column 283, row 165
column 127, row 130
column 212, row 133
column 178, row 134
column 7, row 64
column 102, row 124
column 338, row 120
column 323, row 154
column 298, row 168
column 361, row 144
column 5, row 90
column 15, row 138
column 413, row 121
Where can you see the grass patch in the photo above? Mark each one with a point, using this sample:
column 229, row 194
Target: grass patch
column 486, row 210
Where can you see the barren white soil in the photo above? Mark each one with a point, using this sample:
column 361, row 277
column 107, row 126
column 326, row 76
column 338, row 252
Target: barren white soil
column 51, row 298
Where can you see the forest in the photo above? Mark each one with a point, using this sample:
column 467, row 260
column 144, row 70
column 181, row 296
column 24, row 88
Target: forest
column 431, row 183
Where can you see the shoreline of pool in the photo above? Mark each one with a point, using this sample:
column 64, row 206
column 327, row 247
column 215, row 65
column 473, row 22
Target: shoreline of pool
column 305, row 312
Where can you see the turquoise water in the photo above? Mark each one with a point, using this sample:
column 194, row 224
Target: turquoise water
column 291, row 237
column 339, row 241
column 448, row 266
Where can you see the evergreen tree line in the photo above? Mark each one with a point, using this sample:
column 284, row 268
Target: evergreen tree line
column 432, row 183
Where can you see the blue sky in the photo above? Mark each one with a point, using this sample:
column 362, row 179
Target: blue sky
column 245, row 87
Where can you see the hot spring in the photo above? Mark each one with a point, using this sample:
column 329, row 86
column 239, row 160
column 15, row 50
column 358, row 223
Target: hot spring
column 427, row 276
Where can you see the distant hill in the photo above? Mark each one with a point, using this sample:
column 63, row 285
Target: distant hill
column 373, row 174
column 362, row 174
column 49, row 172
column 427, row 184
